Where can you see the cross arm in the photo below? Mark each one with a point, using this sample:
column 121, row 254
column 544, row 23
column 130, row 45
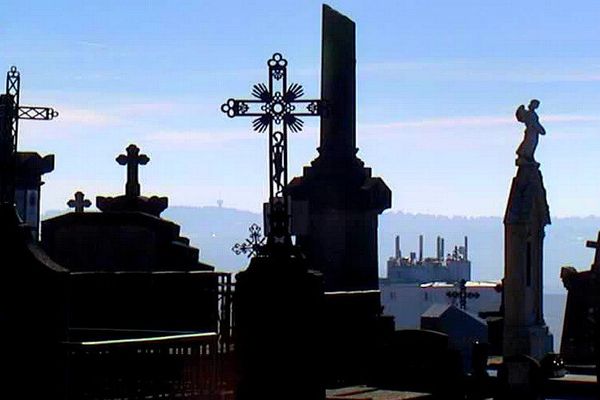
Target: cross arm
column 242, row 108
column 38, row 113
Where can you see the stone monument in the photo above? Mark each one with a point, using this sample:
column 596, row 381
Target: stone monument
column 20, row 172
column 278, row 298
column 526, row 335
column 527, row 214
column 335, row 207
column 579, row 343
column 336, row 202
column 128, row 235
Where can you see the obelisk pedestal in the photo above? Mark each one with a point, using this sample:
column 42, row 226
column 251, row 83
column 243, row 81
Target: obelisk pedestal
column 527, row 213
column 526, row 336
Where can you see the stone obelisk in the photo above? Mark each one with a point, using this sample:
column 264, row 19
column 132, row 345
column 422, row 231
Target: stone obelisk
column 337, row 202
column 335, row 206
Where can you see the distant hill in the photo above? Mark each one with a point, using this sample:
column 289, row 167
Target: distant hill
column 214, row 230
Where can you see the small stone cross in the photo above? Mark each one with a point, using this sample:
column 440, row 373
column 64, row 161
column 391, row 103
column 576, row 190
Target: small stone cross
column 133, row 160
column 595, row 245
column 79, row 203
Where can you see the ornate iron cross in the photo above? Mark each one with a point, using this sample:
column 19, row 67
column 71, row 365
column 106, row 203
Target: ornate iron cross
column 79, row 203
column 253, row 245
column 10, row 113
column 133, row 159
column 276, row 107
column 462, row 294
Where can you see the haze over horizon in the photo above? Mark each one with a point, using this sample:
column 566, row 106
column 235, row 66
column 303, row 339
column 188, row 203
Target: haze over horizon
column 438, row 85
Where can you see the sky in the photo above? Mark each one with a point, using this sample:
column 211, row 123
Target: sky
column 437, row 85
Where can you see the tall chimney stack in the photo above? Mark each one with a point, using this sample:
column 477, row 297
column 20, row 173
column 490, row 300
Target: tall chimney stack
column 420, row 248
column 442, row 253
column 466, row 248
column 398, row 252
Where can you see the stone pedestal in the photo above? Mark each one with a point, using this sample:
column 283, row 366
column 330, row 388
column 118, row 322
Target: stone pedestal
column 278, row 308
column 527, row 213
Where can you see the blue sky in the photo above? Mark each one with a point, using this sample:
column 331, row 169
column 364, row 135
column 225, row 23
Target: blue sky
column 438, row 84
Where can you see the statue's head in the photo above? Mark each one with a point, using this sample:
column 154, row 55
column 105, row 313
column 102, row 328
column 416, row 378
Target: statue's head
column 533, row 104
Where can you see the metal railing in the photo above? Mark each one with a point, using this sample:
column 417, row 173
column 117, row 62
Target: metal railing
column 159, row 367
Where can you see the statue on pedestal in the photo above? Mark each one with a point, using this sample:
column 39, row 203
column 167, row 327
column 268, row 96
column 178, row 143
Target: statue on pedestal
column 533, row 129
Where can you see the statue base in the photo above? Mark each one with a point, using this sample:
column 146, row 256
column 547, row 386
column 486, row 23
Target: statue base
column 523, row 162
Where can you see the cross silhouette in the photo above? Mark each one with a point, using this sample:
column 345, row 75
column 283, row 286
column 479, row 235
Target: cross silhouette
column 133, row 160
column 253, row 245
column 462, row 294
column 79, row 203
column 277, row 107
column 10, row 113
column 595, row 245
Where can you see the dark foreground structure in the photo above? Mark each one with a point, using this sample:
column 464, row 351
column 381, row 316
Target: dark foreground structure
column 115, row 304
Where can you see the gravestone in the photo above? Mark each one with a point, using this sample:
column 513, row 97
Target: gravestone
column 132, row 199
column 20, row 172
column 579, row 343
column 278, row 299
column 463, row 329
column 420, row 360
column 128, row 235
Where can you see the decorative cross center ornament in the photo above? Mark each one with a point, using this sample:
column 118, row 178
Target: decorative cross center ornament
column 462, row 294
column 10, row 114
column 253, row 245
column 133, row 160
column 277, row 107
column 79, row 202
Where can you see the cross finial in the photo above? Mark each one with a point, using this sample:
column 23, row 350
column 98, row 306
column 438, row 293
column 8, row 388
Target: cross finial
column 595, row 245
column 10, row 113
column 462, row 294
column 253, row 245
column 79, row 203
column 133, row 160
column 277, row 107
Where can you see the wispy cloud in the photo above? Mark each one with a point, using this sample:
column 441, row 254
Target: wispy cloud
column 100, row 115
column 196, row 138
column 82, row 116
column 95, row 45
column 474, row 121
column 488, row 70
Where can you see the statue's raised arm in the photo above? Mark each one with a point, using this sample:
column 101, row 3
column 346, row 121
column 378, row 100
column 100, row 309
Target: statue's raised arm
column 533, row 129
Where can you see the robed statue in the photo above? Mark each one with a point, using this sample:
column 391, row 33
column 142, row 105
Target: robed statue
column 533, row 129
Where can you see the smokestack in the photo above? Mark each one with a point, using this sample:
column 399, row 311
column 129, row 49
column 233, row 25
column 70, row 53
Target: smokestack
column 420, row 248
column 442, row 253
column 438, row 246
column 466, row 248
column 398, row 252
